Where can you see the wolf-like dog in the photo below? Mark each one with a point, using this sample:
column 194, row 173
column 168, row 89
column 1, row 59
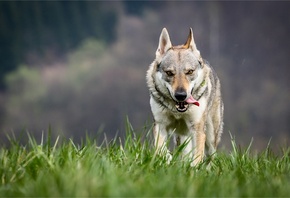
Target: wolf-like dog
column 185, row 99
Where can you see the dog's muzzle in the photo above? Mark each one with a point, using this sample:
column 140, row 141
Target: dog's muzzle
column 181, row 105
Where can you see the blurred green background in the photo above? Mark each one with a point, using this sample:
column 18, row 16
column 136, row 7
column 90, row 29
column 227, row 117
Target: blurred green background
column 80, row 66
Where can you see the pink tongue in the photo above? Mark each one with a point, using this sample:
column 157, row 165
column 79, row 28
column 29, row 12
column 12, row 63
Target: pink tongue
column 191, row 100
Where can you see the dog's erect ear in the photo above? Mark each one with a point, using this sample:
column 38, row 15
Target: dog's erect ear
column 190, row 44
column 164, row 43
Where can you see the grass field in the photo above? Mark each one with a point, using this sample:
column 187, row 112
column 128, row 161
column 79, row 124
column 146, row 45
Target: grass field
column 61, row 168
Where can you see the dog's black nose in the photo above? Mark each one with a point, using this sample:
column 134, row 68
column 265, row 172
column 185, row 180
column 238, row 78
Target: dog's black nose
column 180, row 95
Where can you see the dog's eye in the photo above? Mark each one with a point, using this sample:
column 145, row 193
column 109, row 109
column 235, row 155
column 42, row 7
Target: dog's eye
column 169, row 73
column 189, row 72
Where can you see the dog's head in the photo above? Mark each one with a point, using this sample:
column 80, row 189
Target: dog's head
column 178, row 68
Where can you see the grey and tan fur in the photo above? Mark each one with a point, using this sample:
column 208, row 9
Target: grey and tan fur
column 185, row 99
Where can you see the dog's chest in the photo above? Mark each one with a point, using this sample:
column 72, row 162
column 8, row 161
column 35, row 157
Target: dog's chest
column 177, row 125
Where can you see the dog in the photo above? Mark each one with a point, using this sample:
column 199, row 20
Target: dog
column 185, row 99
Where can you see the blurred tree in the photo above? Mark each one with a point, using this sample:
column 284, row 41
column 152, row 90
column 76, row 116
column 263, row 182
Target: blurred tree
column 136, row 7
column 32, row 30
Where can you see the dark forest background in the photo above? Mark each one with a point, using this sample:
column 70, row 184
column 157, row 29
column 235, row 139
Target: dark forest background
column 78, row 67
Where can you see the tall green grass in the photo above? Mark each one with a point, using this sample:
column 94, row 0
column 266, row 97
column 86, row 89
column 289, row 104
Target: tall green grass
column 131, row 168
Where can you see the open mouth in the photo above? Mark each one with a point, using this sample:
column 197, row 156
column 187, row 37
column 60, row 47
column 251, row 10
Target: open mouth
column 183, row 106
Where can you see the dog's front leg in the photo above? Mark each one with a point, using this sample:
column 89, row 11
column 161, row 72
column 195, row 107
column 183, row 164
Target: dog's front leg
column 193, row 146
column 160, row 141
column 200, row 138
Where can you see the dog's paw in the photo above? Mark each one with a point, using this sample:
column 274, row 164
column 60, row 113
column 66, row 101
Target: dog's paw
column 168, row 157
